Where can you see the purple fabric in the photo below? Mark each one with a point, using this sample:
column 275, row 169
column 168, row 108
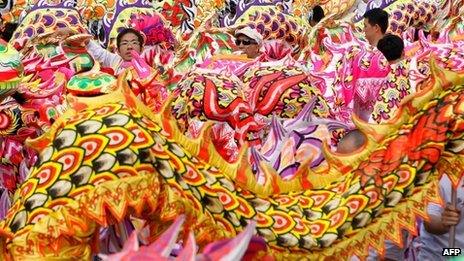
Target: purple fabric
column 65, row 4
column 228, row 19
column 371, row 5
column 5, row 203
column 102, row 28
column 110, row 241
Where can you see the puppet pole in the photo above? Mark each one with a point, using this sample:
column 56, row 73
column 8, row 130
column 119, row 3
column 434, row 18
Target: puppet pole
column 452, row 231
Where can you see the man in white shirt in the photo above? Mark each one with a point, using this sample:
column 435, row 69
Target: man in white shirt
column 434, row 234
column 128, row 40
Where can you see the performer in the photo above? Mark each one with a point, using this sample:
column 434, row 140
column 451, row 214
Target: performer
column 128, row 40
column 316, row 16
column 375, row 25
column 249, row 41
column 392, row 47
column 402, row 80
column 351, row 142
column 434, row 234
column 369, row 79
column 249, row 44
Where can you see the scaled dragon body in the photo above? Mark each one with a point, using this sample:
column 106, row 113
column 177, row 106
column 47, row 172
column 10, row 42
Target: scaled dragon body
column 110, row 157
column 138, row 163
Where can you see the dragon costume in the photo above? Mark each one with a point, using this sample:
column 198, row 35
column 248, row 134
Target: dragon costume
column 111, row 156
column 137, row 163
column 162, row 248
column 16, row 124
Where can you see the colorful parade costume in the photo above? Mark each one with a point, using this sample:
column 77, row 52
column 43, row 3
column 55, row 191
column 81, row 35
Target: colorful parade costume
column 16, row 126
column 139, row 163
column 116, row 150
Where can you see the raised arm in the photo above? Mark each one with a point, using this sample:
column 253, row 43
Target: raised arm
column 103, row 56
column 100, row 54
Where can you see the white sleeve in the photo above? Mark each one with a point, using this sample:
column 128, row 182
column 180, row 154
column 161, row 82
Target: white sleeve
column 103, row 56
column 445, row 191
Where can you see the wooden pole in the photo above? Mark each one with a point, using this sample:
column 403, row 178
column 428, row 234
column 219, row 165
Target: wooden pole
column 452, row 231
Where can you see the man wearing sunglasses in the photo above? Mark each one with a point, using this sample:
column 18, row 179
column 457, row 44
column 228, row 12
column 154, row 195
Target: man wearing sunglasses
column 248, row 44
column 249, row 41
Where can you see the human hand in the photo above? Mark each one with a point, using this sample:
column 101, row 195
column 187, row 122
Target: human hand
column 450, row 216
column 78, row 40
column 64, row 32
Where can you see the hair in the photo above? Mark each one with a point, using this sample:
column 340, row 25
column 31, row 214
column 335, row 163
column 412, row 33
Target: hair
column 351, row 142
column 377, row 16
column 391, row 46
column 129, row 31
column 19, row 97
column 318, row 14
column 8, row 31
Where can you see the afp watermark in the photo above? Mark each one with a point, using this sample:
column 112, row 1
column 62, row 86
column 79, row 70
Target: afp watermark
column 451, row 252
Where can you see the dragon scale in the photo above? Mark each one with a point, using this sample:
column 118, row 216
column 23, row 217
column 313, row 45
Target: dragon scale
column 138, row 163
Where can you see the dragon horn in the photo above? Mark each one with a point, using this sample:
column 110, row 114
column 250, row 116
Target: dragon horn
column 190, row 249
column 165, row 243
column 131, row 245
column 233, row 249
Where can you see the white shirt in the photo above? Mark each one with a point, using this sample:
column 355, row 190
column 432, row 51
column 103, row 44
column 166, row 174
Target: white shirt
column 432, row 245
column 104, row 57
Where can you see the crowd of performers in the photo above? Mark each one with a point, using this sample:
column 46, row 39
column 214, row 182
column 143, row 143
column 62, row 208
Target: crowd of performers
column 282, row 94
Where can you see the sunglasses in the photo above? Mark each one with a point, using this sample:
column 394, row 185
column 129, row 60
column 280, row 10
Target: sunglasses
column 244, row 42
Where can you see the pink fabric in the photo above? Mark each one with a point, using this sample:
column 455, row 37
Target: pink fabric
column 231, row 66
column 275, row 50
column 369, row 72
